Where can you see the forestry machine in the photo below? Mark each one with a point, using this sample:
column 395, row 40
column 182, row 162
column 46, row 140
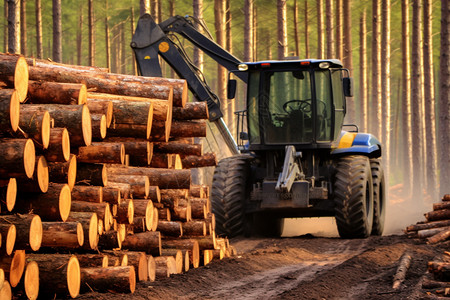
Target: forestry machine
column 291, row 158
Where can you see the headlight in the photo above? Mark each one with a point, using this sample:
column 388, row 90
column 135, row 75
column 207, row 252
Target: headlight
column 242, row 67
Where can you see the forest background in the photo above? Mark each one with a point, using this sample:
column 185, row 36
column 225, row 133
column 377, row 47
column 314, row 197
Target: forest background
column 397, row 52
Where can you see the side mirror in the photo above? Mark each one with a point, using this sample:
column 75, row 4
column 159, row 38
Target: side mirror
column 231, row 89
column 348, row 86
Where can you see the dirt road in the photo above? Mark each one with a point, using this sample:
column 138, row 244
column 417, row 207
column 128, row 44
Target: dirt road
column 302, row 267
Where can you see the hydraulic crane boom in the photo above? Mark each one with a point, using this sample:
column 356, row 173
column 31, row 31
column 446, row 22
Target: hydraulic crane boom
column 152, row 40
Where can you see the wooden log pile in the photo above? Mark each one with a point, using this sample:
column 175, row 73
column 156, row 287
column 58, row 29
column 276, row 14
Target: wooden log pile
column 95, row 180
column 436, row 227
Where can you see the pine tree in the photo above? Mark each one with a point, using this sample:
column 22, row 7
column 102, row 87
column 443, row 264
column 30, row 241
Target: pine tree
column 38, row 13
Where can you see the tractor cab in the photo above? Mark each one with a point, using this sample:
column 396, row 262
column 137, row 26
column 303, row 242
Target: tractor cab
column 299, row 103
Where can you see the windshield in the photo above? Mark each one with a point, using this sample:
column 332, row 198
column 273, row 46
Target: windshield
column 290, row 110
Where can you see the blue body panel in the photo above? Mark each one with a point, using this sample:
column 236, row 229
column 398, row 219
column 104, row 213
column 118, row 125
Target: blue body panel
column 363, row 144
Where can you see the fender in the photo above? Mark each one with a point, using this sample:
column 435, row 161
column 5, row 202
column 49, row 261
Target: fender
column 351, row 143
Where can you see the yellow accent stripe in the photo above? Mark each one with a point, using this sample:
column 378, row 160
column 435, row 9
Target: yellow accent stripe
column 347, row 140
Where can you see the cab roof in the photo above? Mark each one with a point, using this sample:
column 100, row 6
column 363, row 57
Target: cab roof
column 334, row 63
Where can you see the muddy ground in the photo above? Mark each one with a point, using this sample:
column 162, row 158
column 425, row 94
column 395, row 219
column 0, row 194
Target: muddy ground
column 304, row 267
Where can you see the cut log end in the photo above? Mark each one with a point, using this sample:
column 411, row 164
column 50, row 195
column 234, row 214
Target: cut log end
column 11, row 194
column 17, row 267
column 42, row 174
column 72, row 171
column 45, row 130
column 82, row 95
column 14, row 111
column 73, row 277
column 21, row 78
column 86, row 125
column 31, row 280
column 10, row 239
column 5, row 291
column 35, row 233
column 65, row 200
column 29, row 158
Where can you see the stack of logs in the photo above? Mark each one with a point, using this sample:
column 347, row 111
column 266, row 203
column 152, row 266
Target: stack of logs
column 95, row 180
column 436, row 227
column 438, row 280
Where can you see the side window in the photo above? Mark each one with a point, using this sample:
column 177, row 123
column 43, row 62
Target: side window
column 252, row 108
column 339, row 102
column 324, row 98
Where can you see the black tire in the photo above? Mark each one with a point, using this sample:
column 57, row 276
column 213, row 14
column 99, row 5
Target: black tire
column 228, row 195
column 379, row 197
column 353, row 197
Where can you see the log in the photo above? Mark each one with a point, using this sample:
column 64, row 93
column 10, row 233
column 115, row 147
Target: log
column 59, row 275
column 8, row 238
column 151, row 268
column 87, row 193
column 162, row 109
column 140, row 150
column 199, row 207
column 160, row 131
column 89, row 223
column 31, row 279
column 28, row 230
column 164, row 214
column 102, row 210
column 93, row 260
column 139, row 185
column 110, row 279
column 428, row 225
column 110, row 240
column 208, row 256
column 139, row 261
column 100, row 107
column 188, row 128
column 136, row 113
column 218, row 253
column 400, row 274
column 115, row 85
column 206, row 242
column 144, row 208
column 165, row 179
column 433, row 284
column 161, row 160
column 52, row 206
column 125, row 212
column 190, row 245
column 15, row 73
column 171, row 197
column 440, row 270
column 36, row 125
column 155, row 219
column 439, row 237
column 8, row 194
column 98, row 126
column 2, row 278
column 13, row 266
column 62, row 235
column 194, row 228
column 76, row 118
column 446, row 197
column 178, row 255
column 112, row 195
column 129, row 130
column 178, row 148
column 18, row 158
column 92, row 174
column 183, row 214
column 191, row 111
column 154, row 193
column 170, row 228
column 199, row 191
column 39, row 181
column 125, row 189
column 59, row 146
column 44, row 92
column 438, row 215
column 165, row 265
column 441, row 205
column 137, row 226
column 117, row 258
column 149, row 242
column 422, row 234
column 38, row 62
column 100, row 152
column 193, row 161
column 64, row 172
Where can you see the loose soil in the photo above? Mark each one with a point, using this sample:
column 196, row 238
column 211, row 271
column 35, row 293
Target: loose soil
column 304, row 267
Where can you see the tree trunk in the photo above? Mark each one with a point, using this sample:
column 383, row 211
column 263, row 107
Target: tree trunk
column 178, row 148
column 417, row 102
column 320, row 30
column 107, row 39
column 13, row 26
column 144, row 7
column 9, row 110
column 101, row 107
column 92, row 260
column 194, row 228
column 282, row 29
column 15, row 153
column 39, row 49
column 140, row 151
column 63, row 172
column 386, row 83
column 144, row 208
column 330, row 28
column 28, row 230
column 39, row 182
column 98, row 123
column 248, row 30
column 109, row 279
column 198, row 13
column 91, row 26
column 91, row 174
column 375, row 121
column 140, row 185
column 149, row 242
column 438, row 215
column 62, row 235
column 339, row 30
column 13, row 267
column 430, row 120
column 57, row 31
column 347, row 59
column 15, row 74
column 193, row 161
column 5, row 27
column 89, row 223
column 428, row 225
column 80, row 37
column 101, row 209
column 363, row 83
column 100, row 152
column 88, row 193
column 220, row 26
column 444, row 99
column 165, row 265
column 306, row 27
column 23, row 27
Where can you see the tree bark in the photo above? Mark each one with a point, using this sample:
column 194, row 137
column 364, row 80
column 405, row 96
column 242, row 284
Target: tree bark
column 15, row 73
column 444, row 99
column 36, row 124
column 13, row 26
column 348, row 56
column 386, row 83
column 13, row 267
column 87, row 193
column 191, row 245
column 282, row 29
column 139, row 185
column 296, row 30
column 170, row 228
column 18, row 158
column 39, row 182
column 28, row 230
column 100, row 152
column 109, row 279
column 89, row 223
column 194, row 228
column 23, row 27
column 102, row 210
column 320, row 30
column 339, row 30
column 92, row 260
column 193, row 161
column 149, row 242
column 59, row 145
column 40, row 92
column 57, row 31
column 192, row 111
column 375, row 121
column 91, row 27
column 438, row 215
column 197, row 6
column 144, row 208
column 363, row 83
column 139, row 150
column 102, row 107
column 8, row 235
column 330, row 28
column 9, row 110
column 62, row 235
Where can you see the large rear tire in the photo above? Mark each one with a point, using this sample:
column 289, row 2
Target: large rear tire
column 353, row 197
column 228, row 195
column 379, row 197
